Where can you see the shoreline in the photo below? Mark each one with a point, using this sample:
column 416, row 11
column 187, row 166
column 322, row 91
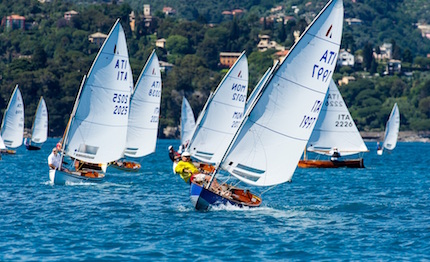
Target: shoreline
column 404, row 136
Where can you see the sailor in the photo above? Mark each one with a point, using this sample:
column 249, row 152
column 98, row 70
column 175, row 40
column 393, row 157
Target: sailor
column 185, row 167
column 174, row 156
column 54, row 159
column 335, row 155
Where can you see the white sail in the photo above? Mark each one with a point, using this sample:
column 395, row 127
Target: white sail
column 12, row 128
column 223, row 115
column 335, row 127
column 97, row 131
column 187, row 121
column 270, row 141
column 2, row 145
column 40, row 126
column 392, row 129
column 145, row 110
column 258, row 87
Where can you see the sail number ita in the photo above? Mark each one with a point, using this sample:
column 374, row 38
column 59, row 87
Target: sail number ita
column 155, row 90
column 320, row 72
column 121, row 104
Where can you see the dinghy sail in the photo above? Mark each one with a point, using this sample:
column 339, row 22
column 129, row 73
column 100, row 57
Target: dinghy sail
column 222, row 115
column 391, row 130
column 12, row 128
column 269, row 143
column 187, row 123
column 39, row 131
column 335, row 130
column 97, row 128
column 144, row 114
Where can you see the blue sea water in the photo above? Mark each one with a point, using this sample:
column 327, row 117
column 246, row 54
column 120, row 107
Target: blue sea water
column 378, row 213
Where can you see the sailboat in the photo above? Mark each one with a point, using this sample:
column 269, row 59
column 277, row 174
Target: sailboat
column 39, row 130
column 12, row 127
column 221, row 115
column 391, row 130
column 187, row 124
column 97, row 128
column 144, row 114
column 268, row 145
column 334, row 132
column 2, row 146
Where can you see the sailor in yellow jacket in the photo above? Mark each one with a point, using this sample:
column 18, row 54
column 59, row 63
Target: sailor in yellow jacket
column 185, row 167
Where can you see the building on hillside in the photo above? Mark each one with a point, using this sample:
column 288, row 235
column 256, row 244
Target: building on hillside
column 393, row 67
column 147, row 18
column 227, row 59
column 353, row 21
column 70, row 14
column 265, row 44
column 165, row 67
column 97, row 38
column 280, row 56
column 161, row 43
column 386, row 51
column 345, row 58
column 14, row 22
column 425, row 30
column 168, row 11
column 345, row 80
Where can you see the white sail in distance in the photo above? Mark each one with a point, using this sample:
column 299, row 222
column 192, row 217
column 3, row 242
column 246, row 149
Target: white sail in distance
column 188, row 122
column 39, row 132
column 335, row 127
column 145, row 110
column 267, row 147
column 222, row 116
column 12, row 128
column 97, row 131
column 392, row 129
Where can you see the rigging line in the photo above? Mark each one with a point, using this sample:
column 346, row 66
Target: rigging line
column 295, row 138
column 106, row 88
column 305, row 87
column 324, row 39
column 270, row 188
column 222, row 103
column 100, row 124
column 214, row 130
column 110, row 54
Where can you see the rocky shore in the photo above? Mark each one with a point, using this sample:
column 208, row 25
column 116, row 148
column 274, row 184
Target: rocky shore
column 404, row 136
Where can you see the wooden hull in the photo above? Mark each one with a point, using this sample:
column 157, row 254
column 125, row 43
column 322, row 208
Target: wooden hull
column 203, row 198
column 61, row 177
column 351, row 163
column 128, row 166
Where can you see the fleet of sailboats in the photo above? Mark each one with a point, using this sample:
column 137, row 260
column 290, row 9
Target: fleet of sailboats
column 97, row 129
column 282, row 117
column 39, row 130
column 391, row 130
column 334, row 132
column 144, row 116
column 12, row 127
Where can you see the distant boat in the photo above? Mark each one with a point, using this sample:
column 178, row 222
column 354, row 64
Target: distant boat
column 142, row 128
column 2, row 146
column 335, row 133
column 188, row 124
column 268, row 145
column 391, row 130
column 39, row 130
column 222, row 115
column 97, row 128
column 12, row 128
